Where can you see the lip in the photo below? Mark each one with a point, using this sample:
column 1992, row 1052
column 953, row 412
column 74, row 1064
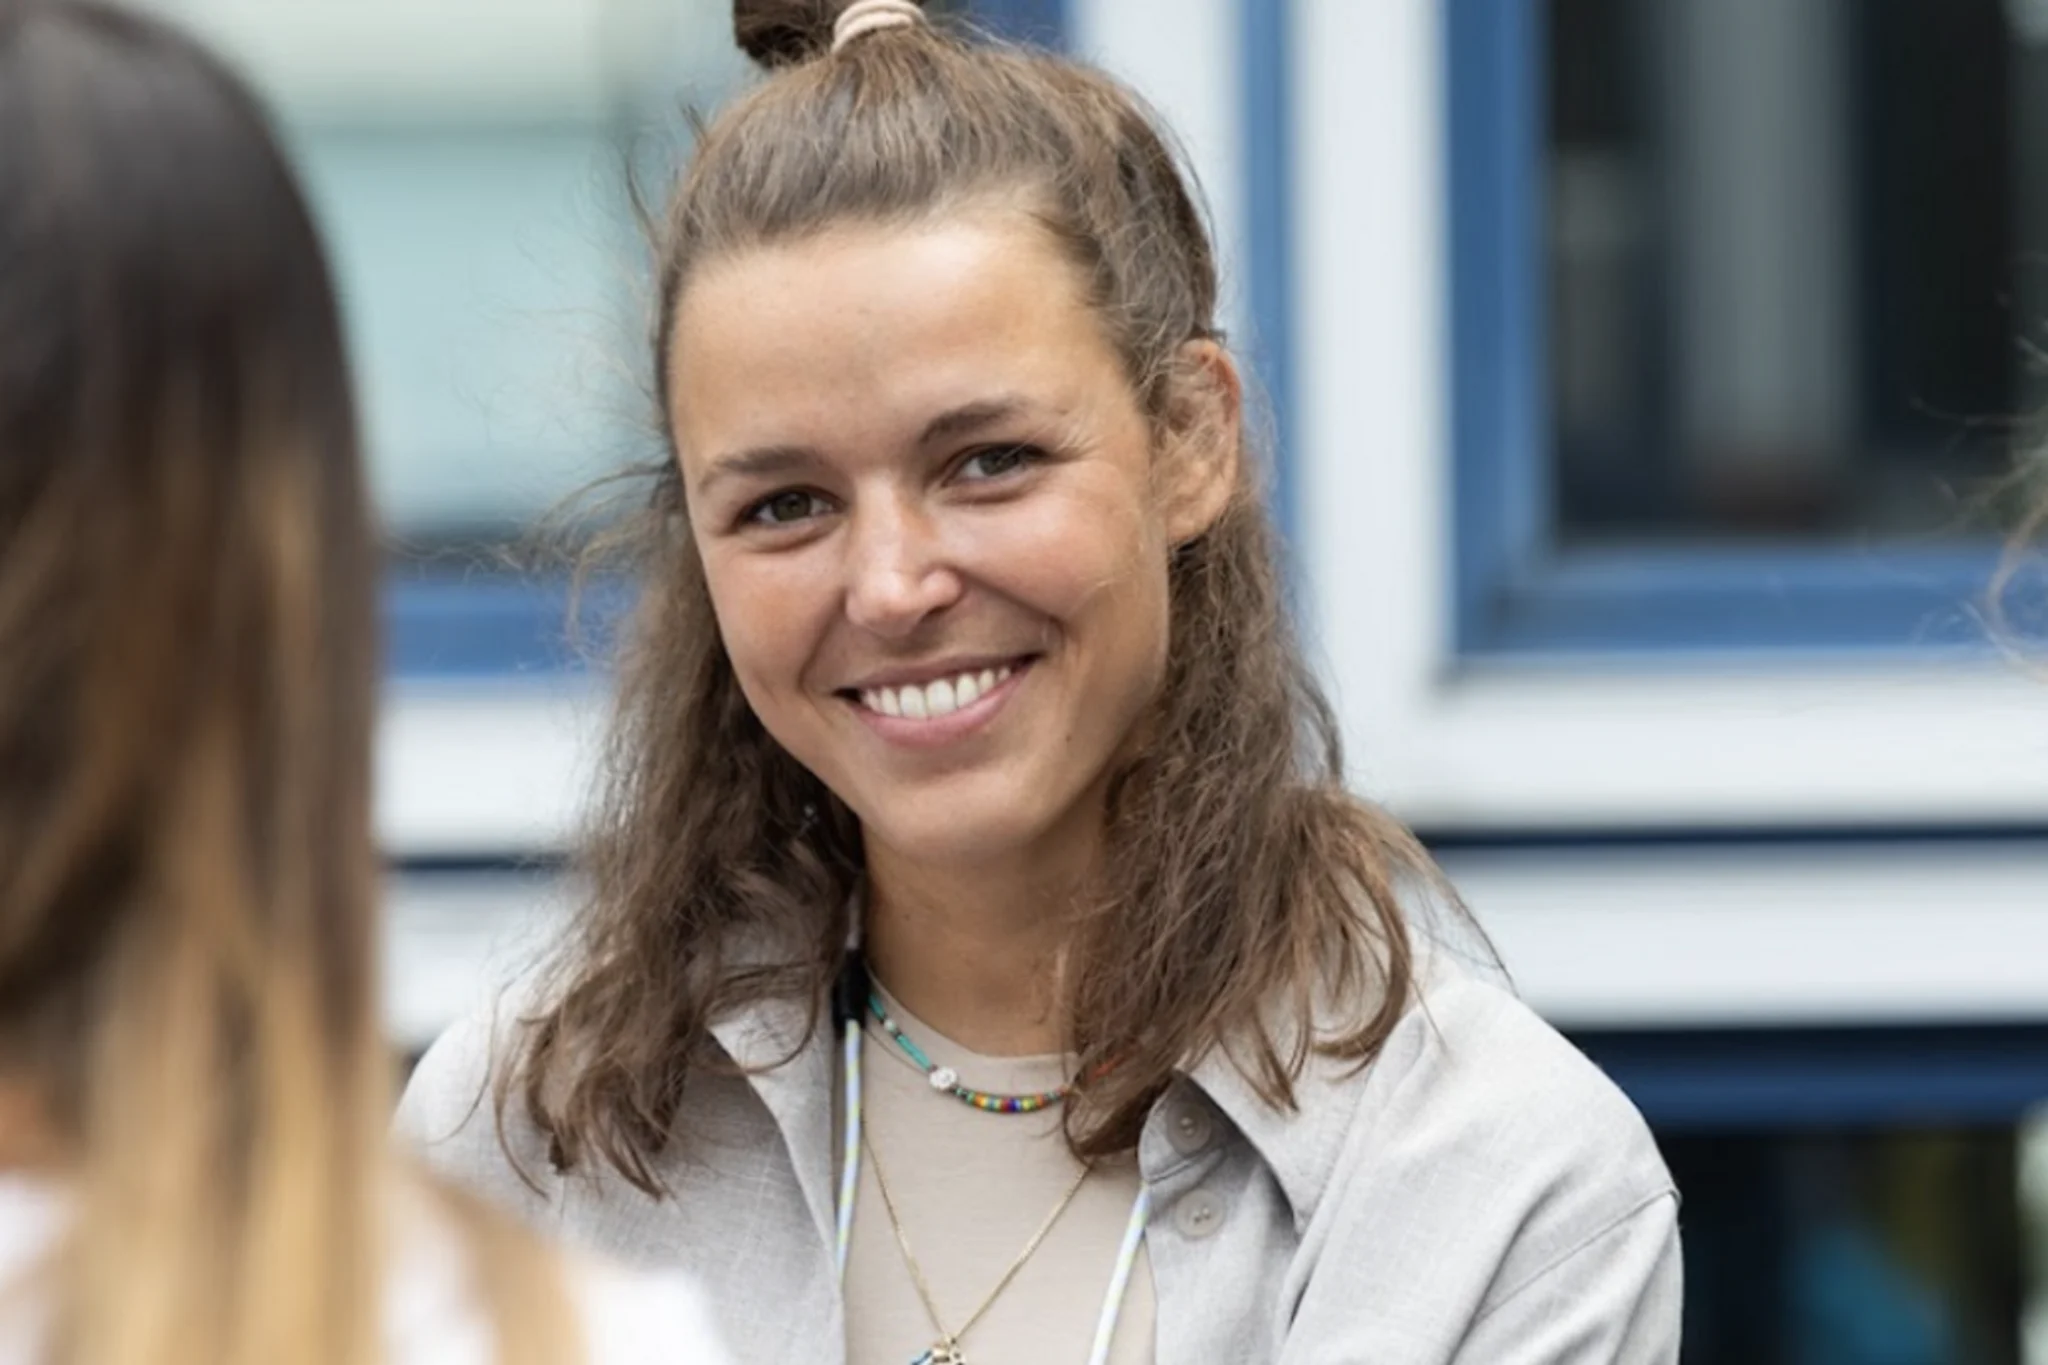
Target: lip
column 934, row 734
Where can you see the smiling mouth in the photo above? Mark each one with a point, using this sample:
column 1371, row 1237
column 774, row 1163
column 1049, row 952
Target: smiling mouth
column 938, row 698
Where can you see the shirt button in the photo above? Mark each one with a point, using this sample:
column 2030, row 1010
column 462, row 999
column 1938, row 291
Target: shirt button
column 1189, row 1129
column 1198, row 1214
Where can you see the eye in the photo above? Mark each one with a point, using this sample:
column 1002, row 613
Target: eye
column 786, row 508
column 994, row 462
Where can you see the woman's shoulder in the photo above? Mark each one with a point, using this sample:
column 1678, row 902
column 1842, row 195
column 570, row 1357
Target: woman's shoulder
column 1478, row 1115
column 1473, row 1026
column 1470, row 1082
column 454, row 1077
column 449, row 1116
column 1474, row 1056
column 431, row 1317
column 623, row 1316
column 644, row 1317
column 33, row 1216
column 1499, row 1151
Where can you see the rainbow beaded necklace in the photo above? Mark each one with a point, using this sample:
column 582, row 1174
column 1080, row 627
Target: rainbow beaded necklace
column 946, row 1081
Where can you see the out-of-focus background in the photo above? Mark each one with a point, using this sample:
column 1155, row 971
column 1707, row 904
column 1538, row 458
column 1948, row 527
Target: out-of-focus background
column 1649, row 376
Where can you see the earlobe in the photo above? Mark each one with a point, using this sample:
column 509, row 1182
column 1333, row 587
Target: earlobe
column 1205, row 440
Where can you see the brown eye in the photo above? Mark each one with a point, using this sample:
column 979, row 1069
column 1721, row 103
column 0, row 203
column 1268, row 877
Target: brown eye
column 782, row 509
column 996, row 461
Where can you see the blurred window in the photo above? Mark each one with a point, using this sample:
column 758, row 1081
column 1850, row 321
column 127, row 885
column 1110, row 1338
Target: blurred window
column 1853, row 1195
column 1795, row 261
column 467, row 161
column 1752, row 302
column 1886, row 1246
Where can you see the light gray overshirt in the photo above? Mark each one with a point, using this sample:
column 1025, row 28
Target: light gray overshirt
column 1480, row 1195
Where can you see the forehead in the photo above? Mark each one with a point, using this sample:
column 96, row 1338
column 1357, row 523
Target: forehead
column 866, row 323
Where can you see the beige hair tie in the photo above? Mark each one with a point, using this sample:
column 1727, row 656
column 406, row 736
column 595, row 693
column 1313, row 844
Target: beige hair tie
column 872, row 16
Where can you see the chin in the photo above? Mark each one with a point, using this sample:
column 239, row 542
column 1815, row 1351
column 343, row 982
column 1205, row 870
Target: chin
column 957, row 834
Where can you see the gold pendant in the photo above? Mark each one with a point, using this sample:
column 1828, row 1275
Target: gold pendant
column 946, row 1353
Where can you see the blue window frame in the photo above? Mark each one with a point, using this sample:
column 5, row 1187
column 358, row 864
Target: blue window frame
column 1515, row 591
column 1737, row 1079
column 493, row 627
column 1265, row 35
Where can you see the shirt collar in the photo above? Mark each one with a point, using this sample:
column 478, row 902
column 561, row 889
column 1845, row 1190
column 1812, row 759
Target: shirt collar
column 1303, row 1145
column 792, row 1075
column 1300, row 1145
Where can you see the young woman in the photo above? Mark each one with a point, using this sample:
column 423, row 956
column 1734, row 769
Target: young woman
column 983, row 960
column 193, row 1088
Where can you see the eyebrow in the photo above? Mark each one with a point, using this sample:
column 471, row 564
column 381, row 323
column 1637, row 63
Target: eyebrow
column 972, row 417
column 764, row 462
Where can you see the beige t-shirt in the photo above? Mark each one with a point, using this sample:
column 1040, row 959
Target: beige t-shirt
column 971, row 1189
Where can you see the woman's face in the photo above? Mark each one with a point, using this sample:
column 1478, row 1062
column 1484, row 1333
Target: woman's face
column 924, row 494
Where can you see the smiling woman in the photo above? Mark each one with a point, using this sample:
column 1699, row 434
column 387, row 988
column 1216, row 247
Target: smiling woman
column 961, row 705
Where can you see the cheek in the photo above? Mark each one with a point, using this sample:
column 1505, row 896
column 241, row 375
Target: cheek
column 1090, row 549
column 1120, row 603
column 1094, row 565
column 763, row 615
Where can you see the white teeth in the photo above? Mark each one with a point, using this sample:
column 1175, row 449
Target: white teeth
column 935, row 699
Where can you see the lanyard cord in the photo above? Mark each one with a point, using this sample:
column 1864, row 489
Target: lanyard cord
column 851, row 990
column 849, row 1168
column 849, row 998
column 1120, row 1277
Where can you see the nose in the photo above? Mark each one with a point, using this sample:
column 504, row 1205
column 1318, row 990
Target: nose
column 897, row 575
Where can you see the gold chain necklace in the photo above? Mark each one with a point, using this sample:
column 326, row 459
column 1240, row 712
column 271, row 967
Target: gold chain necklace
column 946, row 1351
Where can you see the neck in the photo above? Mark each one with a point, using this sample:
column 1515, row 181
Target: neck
column 973, row 953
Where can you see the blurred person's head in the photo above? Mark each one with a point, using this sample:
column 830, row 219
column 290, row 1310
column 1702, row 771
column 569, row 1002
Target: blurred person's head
column 188, row 1025
column 952, row 427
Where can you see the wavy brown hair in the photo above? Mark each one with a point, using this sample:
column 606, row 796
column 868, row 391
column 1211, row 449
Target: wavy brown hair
column 1243, row 889
column 188, row 985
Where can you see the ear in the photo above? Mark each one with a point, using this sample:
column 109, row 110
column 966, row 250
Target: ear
column 1203, row 439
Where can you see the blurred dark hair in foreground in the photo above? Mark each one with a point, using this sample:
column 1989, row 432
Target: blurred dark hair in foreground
column 188, row 1026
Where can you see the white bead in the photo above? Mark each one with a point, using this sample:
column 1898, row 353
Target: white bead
column 944, row 1078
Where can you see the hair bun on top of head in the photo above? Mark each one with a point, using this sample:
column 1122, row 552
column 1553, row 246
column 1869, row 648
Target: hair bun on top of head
column 779, row 33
